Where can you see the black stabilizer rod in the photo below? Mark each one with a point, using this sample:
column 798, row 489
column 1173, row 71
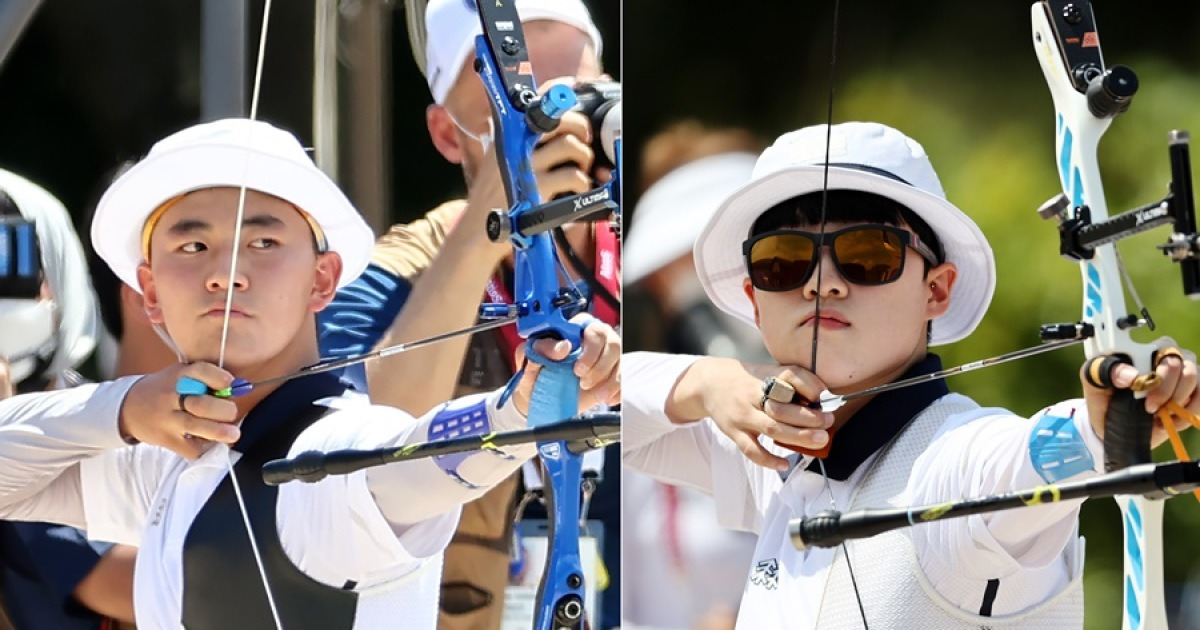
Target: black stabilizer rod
column 1156, row 481
column 587, row 432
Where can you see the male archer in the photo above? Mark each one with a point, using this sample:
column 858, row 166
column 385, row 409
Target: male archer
column 362, row 550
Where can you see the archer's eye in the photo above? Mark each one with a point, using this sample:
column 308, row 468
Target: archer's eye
column 194, row 247
column 264, row 243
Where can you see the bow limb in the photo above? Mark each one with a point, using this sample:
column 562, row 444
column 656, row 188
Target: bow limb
column 545, row 300
column 1067, row 48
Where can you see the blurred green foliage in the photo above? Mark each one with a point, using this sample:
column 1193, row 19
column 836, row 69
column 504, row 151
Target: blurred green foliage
column 961, row 78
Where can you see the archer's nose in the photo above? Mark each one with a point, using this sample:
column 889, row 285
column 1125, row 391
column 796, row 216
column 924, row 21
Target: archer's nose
column 825, row 280
column 220, row 278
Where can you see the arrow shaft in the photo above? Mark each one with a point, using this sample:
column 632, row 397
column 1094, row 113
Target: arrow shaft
column 327, row 366
column 833, row 402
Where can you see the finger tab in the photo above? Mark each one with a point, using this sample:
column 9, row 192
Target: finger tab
column 189, row 386
column 1098, row 370
column 1162, row 354
column 820, row 453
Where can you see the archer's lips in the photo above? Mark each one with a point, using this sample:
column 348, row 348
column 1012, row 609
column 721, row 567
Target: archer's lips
column 219, row 311
column 829, row 320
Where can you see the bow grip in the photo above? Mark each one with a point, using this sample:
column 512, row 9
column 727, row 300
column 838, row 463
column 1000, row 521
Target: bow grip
column 1127, row 425
column 555, row 394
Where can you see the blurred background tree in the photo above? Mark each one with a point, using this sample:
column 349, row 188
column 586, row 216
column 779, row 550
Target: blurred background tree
column 962, row 79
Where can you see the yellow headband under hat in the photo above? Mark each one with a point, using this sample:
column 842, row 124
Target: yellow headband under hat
column 318, row 234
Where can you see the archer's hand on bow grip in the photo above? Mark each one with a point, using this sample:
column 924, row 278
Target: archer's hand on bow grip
column 1122, row 402
column 582, row 377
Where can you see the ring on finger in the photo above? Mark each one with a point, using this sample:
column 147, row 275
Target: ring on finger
column 777, row 390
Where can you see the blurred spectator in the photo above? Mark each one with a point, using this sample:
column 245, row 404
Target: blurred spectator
column 687, row 169
column 681, row 570
column 445, row 265
column 52, row 576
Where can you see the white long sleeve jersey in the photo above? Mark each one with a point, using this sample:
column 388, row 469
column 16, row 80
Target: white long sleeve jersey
column 379, row 532
column 1034, row 554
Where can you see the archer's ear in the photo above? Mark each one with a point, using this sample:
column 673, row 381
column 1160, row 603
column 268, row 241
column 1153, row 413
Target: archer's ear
column 133, row 305
column 939, row 281
column 150, row 302
column 444, row 133
column 325, row 280
column 749, row 289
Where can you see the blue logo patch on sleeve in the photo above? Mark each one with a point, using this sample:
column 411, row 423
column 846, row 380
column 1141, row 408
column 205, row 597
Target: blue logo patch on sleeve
column 1057, row 449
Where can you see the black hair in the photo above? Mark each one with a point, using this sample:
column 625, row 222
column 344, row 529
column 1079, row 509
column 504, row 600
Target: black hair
column 852, row 206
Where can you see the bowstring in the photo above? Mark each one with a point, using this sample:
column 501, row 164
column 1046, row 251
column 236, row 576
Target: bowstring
column 237, row 245
column 820, row 254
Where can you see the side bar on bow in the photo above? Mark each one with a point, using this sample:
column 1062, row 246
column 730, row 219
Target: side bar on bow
column 545, row 299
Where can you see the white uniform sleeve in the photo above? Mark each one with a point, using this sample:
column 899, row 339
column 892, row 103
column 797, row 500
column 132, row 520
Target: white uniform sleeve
column 412, row 491
column 44, row 435
column 988, row 452
column 697, row 455
column 399, row 514
column 119, row 487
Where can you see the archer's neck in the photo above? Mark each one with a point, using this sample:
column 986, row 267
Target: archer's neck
column 847, row 411
column 301, row 353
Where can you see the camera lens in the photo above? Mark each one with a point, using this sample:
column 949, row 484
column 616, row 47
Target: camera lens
column 600, row 102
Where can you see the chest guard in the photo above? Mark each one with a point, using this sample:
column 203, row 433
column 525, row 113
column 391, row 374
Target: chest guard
column 222, row 588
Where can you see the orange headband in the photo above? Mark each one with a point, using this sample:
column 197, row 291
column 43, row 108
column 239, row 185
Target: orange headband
column 152, row 221
column 318, row 234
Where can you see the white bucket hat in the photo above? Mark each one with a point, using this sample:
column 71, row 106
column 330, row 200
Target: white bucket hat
column 670, row 214
column 867, row 157
column 231, row 152
column 451, row 27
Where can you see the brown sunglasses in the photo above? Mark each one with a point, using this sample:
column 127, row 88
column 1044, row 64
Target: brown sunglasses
column 870, row 255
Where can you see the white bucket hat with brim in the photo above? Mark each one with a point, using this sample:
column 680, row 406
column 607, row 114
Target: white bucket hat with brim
column 452, row 25
column 670, row 214
column 233, row 152
column 866, row 157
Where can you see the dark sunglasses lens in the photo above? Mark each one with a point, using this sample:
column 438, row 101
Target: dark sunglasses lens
column 869, row 256
column 781, row 261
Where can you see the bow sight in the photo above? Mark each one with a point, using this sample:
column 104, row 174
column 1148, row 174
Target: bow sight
column 1109, row 92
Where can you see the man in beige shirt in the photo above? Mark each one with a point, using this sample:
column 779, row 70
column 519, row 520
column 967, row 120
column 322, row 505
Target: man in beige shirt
column 448, row 251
